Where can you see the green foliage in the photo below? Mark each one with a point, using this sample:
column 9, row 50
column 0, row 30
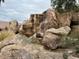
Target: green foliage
column 64, row 5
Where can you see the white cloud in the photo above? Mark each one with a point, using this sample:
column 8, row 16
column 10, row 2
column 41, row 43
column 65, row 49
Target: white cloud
column 20, row 9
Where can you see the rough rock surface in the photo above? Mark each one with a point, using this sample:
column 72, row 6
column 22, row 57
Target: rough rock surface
column 15, row 54
column 52, row 36
column 54, row 20
column 48, row 19
column 13, row 26
column 31, row 26
column 60, row 31
column 24, row 49
column 51, row 40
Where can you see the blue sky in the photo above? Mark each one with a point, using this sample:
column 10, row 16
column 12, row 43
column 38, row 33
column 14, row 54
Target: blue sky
column 21, row 9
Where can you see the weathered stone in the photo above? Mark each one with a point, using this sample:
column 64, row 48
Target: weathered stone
column 52, row 37
column 13, row 26
column 31, row 26
column 53, row 19
column 26, row 28
column 50, row 21
column 60, row 31
column 17, row 40
column 51, row 40
column 23, row 49
column 15, row 54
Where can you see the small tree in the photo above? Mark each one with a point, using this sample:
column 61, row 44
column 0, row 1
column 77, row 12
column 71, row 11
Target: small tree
column 64, row 5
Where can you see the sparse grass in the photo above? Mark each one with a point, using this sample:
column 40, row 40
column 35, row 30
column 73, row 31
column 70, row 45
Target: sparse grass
column 5, row 34
column 72, row 39
column 68, row 42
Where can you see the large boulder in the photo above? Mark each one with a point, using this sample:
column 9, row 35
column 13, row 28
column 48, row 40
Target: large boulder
column 31, row 26
column 50, row 40
column 26, row 28
column 53, row 19
column 41, row 22
column 52, row 37
column 50, row 21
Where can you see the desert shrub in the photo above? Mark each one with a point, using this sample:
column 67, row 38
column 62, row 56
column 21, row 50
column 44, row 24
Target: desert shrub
column 69, row 42
column 5, row 34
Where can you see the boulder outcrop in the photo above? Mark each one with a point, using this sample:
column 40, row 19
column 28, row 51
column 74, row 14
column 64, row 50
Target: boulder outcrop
column 31, row 26
column 52, row 37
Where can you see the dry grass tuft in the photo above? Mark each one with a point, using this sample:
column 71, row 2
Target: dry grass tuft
column 6, row 34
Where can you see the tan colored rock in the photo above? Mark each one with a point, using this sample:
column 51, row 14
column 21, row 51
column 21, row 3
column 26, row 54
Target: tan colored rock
column 53, row 19
column 60, row 31
column 26, row 28
column 52, row 37
column 15, row 54
column 23, row 49
column 50, row 21
column 51, row 41
column 13, row 26
column 31, row 26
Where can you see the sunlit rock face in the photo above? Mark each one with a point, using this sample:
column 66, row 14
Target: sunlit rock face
column 53, row 19
column 31, row 26
column 40, row 23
